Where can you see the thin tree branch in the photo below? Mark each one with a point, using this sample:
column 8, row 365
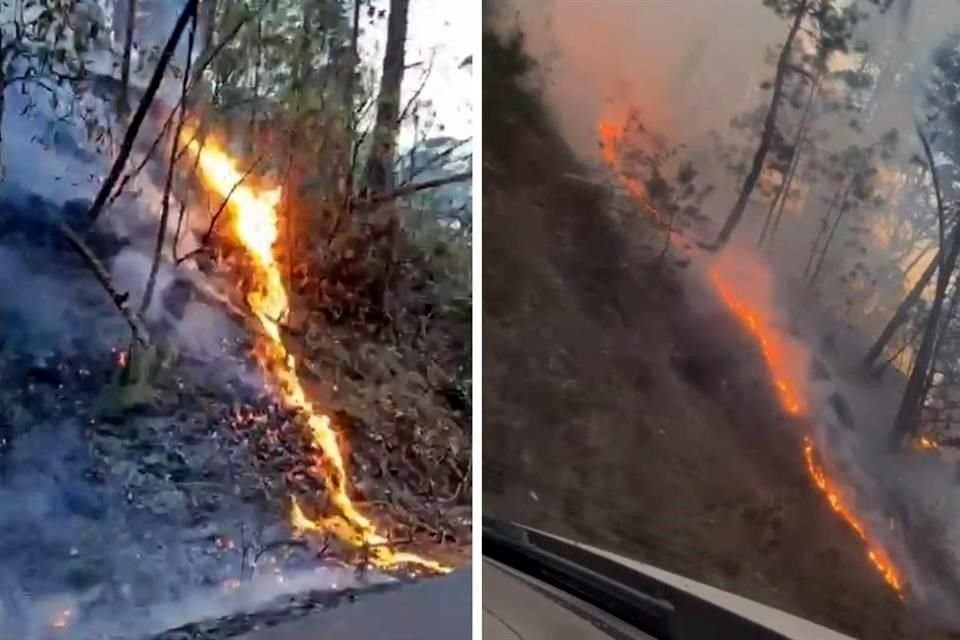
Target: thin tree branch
column 432, row 162
column 171, row 169
column 223, row 205
column 119, row 299
column 166, row 125
column 941, row 233
column 416, row 94
column 126, row 146
column 418, row 186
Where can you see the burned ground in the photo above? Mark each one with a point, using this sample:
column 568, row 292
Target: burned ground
column 137, row 499
column 624, row 407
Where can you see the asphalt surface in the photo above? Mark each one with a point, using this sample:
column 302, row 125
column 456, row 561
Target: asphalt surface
column 438, row 609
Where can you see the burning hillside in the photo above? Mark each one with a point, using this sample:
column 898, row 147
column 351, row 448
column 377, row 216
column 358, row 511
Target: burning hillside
column 746, row 289
column 254, row 224
column 735, row 279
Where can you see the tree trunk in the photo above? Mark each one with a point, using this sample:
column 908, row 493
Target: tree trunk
column 820, row 232
column 833, row 230
column 124, row 106
column 208, row 20
column 378, row 174
column 769, row 125
column 3, row 86
column 780, row 199
column 909, row 411
column 349, row 99
column 903, row 310
column 254, row 120
column 141, row 113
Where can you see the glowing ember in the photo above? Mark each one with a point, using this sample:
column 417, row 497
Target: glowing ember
column 925, row 442
column 254, row 224
column 775, row 352
column 877, row 556
column 62, row 619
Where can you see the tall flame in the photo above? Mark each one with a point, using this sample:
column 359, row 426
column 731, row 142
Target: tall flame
column 254, row 225
column 781, row 369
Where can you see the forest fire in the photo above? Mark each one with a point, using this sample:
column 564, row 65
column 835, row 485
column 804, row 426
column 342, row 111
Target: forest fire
column 877, row 556
column 789, row 391
column 781, row 366
column 612, row 133
column 254, row 225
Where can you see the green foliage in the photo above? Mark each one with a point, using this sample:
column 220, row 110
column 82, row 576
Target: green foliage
column 48, row 43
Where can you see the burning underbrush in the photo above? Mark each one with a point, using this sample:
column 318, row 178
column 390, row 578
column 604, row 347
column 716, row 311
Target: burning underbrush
column 241, row 458
column 746, row 286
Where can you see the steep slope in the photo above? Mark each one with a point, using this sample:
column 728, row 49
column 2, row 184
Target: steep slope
column 624, row 406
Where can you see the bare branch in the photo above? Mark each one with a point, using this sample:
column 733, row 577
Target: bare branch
column 223, row 205
column 169, row 121
column 126, row 146
column 416, row 94
column 168, row 186
column 419, row 186
column 432, row 162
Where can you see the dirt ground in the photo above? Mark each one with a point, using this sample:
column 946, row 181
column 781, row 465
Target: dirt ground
column 624, row 407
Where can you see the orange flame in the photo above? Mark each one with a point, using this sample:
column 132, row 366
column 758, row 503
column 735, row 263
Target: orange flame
column 785, row 380
column 611, row 132
column 925, row 442
column 254, row 224
column 877, row 556
column 773, row 350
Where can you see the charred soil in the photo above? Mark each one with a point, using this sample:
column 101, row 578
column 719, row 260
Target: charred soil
column 625, row 407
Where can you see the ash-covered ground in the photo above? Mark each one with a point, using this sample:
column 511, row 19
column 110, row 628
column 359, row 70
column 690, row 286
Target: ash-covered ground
column 135, row 501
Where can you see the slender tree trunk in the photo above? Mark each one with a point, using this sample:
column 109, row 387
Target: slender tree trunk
column 916, row 260
column 833, row 230
column 124, row 106
column 256, row 87
column 141, row 113
column 349, row 104
column 208, row 35
column 769, row 126
column 909, row 412
column 821, row 231
column 780, row 199
column 3, row 87
column 903, row 311
column 378, row 174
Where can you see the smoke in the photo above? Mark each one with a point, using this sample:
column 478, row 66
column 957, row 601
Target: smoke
column 678, row 63
column 107, row 525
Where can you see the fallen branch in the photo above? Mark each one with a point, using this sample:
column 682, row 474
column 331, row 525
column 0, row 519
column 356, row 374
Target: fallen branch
column 119, row 299
column 127, row 145
column 280, row 544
